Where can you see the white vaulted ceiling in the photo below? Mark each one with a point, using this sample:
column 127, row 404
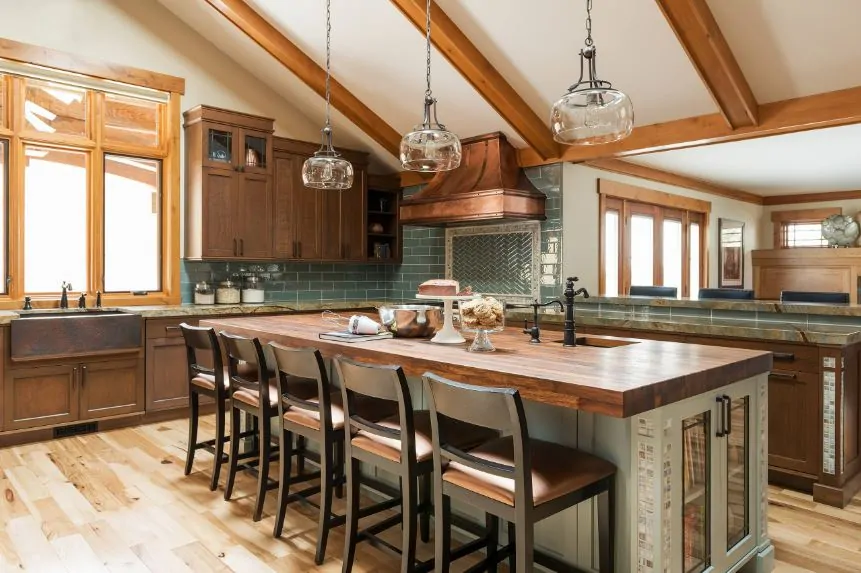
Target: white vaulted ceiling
column 785, row 48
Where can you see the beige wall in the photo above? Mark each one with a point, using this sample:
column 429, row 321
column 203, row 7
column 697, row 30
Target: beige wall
column 580, row 222
column 766, row 229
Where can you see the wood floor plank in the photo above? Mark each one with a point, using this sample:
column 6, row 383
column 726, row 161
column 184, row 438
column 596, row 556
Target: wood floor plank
column 118, row 501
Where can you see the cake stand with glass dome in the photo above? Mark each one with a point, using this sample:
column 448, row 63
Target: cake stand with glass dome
column 448, row 334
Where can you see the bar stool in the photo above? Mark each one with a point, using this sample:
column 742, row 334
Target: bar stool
column 520, row 479
column 211, row 382
column 321, row 420
column 401, row 445
column 259, row 400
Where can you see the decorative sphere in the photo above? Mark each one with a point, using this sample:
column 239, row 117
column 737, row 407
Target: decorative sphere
column 840, row 230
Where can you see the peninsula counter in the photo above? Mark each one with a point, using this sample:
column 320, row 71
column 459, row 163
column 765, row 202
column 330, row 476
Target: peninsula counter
column 684, row 423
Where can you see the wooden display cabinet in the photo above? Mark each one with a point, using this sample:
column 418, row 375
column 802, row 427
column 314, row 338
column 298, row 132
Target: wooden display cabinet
column 383, row 220
column 228, row 185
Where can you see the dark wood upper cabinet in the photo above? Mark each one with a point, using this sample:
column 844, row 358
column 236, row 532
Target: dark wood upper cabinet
column 228, row 185
column 354, row 218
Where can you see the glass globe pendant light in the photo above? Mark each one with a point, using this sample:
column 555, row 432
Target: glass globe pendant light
column 430, row 147
column 592, row 112
column 327, row 169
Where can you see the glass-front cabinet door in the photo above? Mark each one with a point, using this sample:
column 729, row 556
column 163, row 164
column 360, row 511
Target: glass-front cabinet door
column 737, row 481
column 219, row 144
column 697, row 493
column 255, row 151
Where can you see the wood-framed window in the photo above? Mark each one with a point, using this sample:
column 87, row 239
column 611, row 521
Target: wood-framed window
column 650, row 238
column 800, row 227
column 89, row 188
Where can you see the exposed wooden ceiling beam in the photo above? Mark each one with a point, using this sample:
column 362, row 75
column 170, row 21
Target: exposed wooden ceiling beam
column 480, row 73
column 811, row 197
column 700, row 36
column 659, row 176
column 831, row 109
column 290, row 56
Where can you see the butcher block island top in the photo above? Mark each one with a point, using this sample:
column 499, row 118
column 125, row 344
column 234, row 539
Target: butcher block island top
column 615, row 377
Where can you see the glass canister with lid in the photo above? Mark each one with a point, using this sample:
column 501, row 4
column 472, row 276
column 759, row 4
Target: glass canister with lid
column 204, row 293
column 252, row 289
column 227, row 291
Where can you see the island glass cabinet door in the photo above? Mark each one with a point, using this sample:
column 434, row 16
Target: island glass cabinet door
column 718, row 476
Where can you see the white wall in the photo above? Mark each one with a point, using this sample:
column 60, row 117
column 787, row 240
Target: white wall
column 580, row 222
column 766, row 229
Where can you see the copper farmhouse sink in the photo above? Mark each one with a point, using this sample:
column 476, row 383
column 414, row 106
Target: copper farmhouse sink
column 46, row 334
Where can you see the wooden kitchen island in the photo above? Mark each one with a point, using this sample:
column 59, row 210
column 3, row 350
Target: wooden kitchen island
column 684, row 423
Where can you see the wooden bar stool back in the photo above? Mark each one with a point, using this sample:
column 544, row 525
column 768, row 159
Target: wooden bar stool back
column 520, row 479
column 401, row 445
column 205, row 381
column 252, row 391
column 308, row 408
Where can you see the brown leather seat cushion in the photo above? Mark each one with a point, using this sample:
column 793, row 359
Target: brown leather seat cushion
column 467, row 436
column 556, row 470
column 370, row 408
column 245, row 370
column 305, row 389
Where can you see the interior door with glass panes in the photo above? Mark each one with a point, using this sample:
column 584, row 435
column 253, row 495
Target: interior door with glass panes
column 736, row 515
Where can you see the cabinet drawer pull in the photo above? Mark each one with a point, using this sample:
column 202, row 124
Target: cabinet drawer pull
column 783, row 356
column 298, row 248
column 83, row 376
column 727, row 415
column 241, row 247
column 234, row 247
column 171, row 328
column 74, row 378
column 784, row 375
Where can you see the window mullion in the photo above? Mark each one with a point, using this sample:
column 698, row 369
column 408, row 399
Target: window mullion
column 96, row 219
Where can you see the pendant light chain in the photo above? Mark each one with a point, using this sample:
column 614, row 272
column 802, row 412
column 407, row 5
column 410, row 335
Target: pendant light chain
column 328, row 55
column 589, row 41
column 428, row 95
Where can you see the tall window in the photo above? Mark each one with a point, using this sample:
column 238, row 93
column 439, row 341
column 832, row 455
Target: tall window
column 800, row 227
column 645, row 243
column 82, row 162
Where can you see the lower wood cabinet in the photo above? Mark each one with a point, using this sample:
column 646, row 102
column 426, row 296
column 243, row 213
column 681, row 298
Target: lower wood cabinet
column 63, row 393
column 166, row 374
column 41, row 396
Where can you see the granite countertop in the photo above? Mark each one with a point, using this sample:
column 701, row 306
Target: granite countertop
column 759, row 306
column 784, row 331
column 180, row 310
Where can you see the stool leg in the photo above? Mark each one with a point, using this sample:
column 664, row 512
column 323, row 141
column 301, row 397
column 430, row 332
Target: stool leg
column 339, row 468
column 233, row 458
column 300, row 457
column 352, row 522
column 409, row 519
column 424, row 500
column 193, row 415
column 265, row 440
column 492, row 541
column 512, row 544
column 607, row 529
column 326, row 487
column 219, row 445
column 442, row 527
column 523, row 545
column 286, row 461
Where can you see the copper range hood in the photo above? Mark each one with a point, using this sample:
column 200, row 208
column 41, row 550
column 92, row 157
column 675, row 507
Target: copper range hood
column 488, row 186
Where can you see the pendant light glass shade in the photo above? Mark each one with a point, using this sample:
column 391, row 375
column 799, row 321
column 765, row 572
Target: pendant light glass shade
column 430, row 147
column 592, row 112
column 327, row 169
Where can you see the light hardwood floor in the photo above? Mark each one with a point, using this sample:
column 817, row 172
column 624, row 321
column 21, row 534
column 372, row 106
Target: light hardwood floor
column 117, row 501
